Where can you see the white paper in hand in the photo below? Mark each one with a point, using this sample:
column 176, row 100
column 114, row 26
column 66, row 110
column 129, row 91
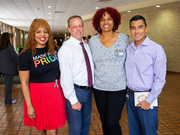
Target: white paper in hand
column 140, row 96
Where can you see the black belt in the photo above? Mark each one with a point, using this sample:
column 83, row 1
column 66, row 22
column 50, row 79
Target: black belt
column 82, row 87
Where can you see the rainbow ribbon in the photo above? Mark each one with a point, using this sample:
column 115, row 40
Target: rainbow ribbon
column 56, row 84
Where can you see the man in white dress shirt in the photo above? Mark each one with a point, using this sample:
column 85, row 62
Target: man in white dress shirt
column 74, row 78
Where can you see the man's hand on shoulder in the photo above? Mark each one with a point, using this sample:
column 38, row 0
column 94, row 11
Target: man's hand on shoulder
column 77, row 106
column 144, row 105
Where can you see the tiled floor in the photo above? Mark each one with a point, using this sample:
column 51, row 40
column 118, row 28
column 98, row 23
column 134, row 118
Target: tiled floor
column 11, row 116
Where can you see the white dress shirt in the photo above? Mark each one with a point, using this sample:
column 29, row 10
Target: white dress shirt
column 73, row 67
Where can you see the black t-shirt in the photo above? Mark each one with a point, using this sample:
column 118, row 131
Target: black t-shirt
column 43, row 68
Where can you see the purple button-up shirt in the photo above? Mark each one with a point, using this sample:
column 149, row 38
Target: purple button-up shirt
column 146, row 68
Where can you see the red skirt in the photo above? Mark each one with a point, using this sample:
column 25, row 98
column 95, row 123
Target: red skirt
column 49, row 104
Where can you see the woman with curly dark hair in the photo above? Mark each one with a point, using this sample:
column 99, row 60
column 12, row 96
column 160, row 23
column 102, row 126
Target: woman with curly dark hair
column 44, row 106
column 109, row 52
column 9, row 60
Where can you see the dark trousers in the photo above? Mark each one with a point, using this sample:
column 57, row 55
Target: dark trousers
column 110, row 106
column 141, row 122
column 8, row 79
column 79, row 121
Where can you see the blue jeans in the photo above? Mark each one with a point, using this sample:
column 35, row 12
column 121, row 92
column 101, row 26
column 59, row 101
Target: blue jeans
column 141, row 122
column 79, row 121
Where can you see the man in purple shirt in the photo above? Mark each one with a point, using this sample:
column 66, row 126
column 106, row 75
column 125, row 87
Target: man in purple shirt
column 146, row 71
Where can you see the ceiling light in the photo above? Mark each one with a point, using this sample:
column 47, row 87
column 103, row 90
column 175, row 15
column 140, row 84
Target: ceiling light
column 49, row 13
column 96, row 7
column 49, row 6
column 128, row 11
column 157, row 5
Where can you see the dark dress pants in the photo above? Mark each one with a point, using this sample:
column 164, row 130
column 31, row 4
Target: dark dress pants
column 8, row 78
column 79, row 121
column 110, row 105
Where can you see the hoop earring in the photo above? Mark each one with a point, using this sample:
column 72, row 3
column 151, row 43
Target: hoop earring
column 99, row 28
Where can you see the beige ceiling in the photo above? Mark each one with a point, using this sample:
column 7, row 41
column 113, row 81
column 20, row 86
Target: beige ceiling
column 20, row 13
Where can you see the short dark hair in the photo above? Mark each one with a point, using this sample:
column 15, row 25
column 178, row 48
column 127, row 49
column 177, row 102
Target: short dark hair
column 115, row 15
column 137, row 17
column 72, row 17
column 89, row 36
